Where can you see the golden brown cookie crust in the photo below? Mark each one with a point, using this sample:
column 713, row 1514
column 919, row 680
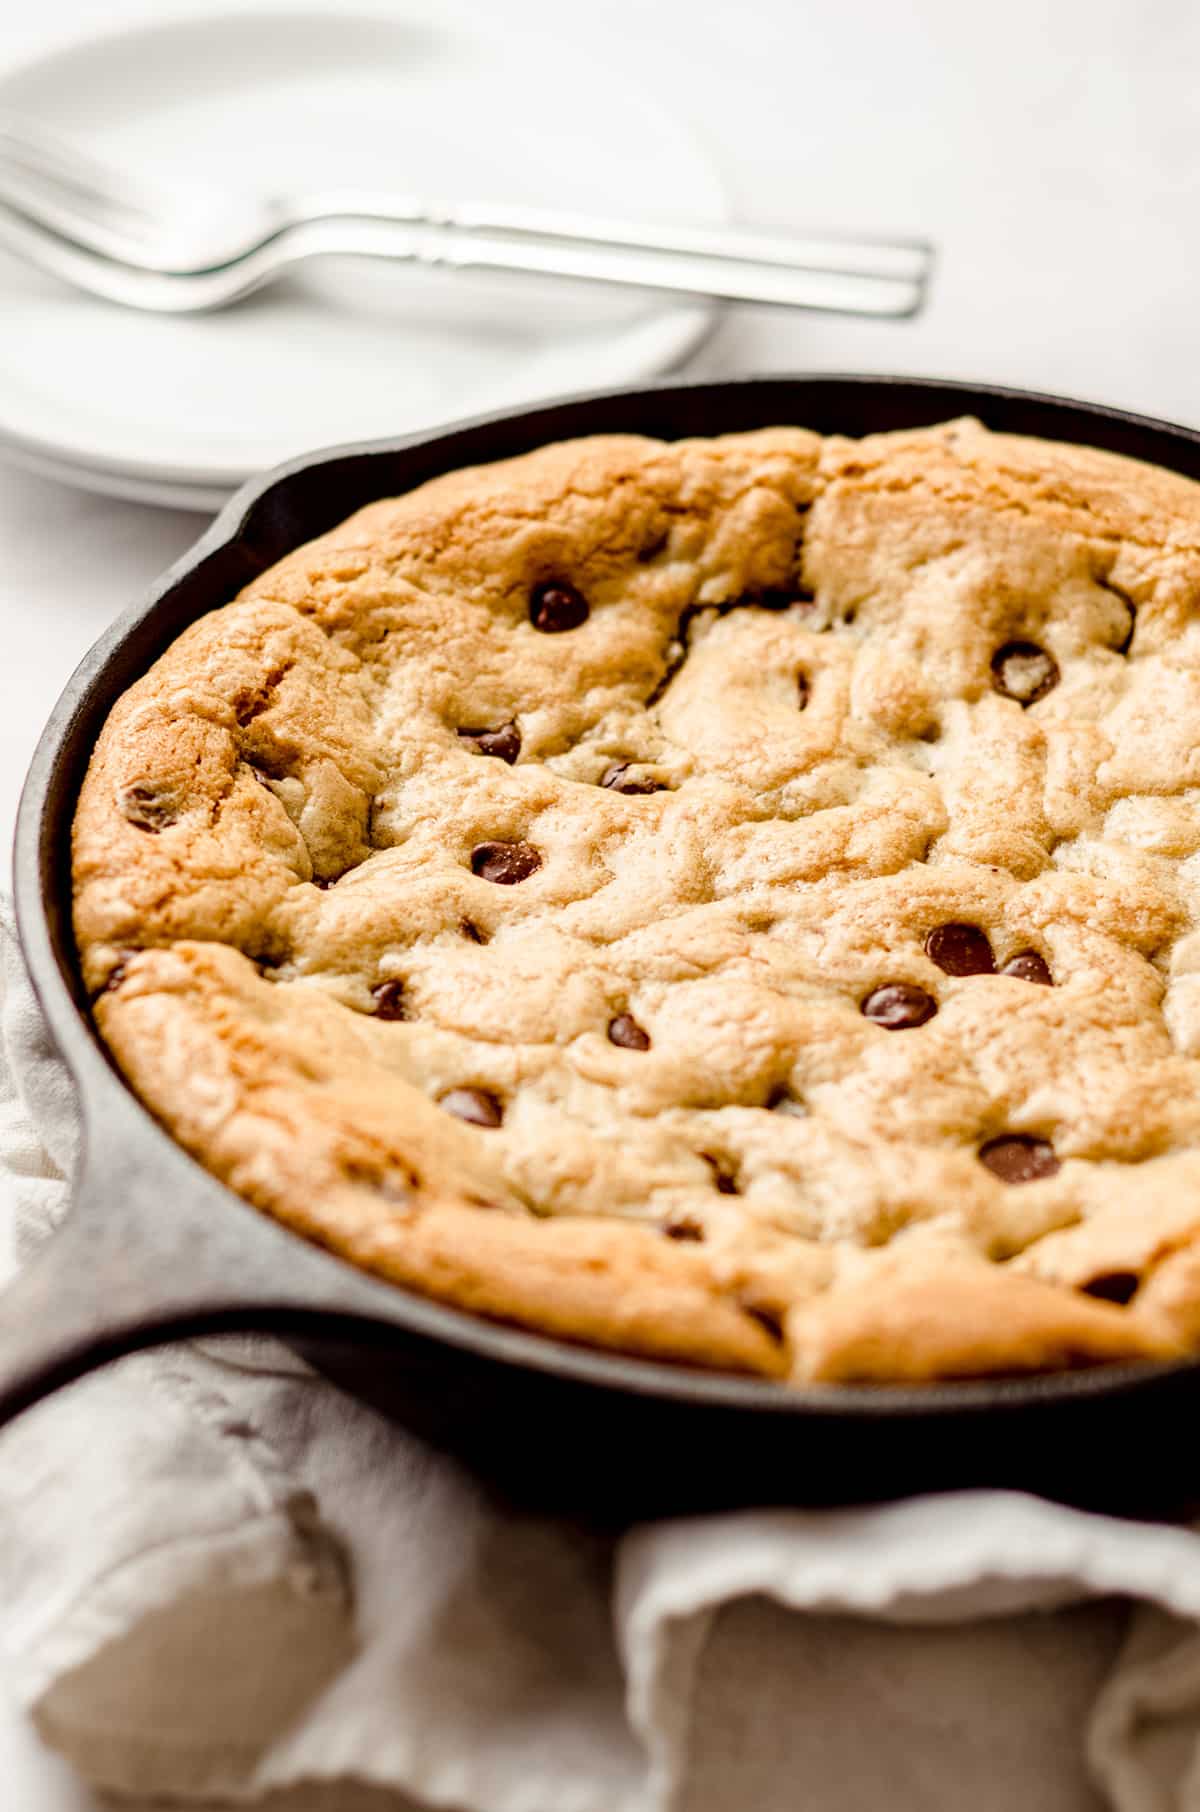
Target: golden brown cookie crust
column 797, row 706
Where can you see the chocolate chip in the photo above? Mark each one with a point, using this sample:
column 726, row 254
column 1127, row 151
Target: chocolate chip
column 556, row 606
column 625, row 1031
column 389, row 1000
column 148, row 805
column 1018, row 1158
column 504, row 741
column 618, row 779
column 1114, row 1286
column 475, row 1105
column 960, row 950
column 505, row 863
column 1028, row 966
column 723, row 1177
column 898, row 1005
column 1023, row 671
column 683, row 1228
column 471, row 930
column 802, row 688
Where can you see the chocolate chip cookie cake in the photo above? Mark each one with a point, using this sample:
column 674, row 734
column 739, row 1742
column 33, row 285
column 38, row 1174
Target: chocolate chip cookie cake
column 734, row 901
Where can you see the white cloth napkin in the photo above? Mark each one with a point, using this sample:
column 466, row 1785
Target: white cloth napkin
column 223, row 1580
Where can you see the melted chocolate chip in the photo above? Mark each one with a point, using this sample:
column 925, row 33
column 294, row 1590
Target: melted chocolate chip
column 148, row 805
column 1018, row 1158
column 683, row 1228
column 960, row 950
column 618, row 779
column 505, row 863
column 1028, row 966
column 1023, row 671
column 1114, row 1286
column 504, row 741
column 802, row 688
column 556, row 606
column 898, row 1005
column 625, row 1031
column 389, row 1000
column 475, row 1105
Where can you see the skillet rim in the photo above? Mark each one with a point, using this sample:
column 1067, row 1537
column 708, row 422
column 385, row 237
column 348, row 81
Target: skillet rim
column 42, row 876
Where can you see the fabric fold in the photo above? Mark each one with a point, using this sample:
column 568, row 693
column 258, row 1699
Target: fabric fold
column 225, row 1582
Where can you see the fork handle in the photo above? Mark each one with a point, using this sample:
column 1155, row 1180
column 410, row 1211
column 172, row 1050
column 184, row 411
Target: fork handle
column 877, row 277
column 814, row 251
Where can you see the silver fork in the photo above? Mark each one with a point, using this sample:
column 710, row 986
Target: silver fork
column 184, row 253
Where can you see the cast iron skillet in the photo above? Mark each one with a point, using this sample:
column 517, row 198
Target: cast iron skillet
column 155, row 1247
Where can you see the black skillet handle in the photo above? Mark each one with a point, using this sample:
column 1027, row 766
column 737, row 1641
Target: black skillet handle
column 152, row 1249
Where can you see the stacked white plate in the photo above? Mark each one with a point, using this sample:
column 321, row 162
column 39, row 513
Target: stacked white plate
column 179, row 410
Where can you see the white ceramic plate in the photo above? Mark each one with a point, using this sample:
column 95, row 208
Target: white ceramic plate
column 181, row 410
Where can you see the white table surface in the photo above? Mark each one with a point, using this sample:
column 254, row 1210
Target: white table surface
column 1053, row 152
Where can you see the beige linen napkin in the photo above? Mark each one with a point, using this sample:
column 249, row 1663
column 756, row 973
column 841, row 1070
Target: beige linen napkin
column 223, row 1580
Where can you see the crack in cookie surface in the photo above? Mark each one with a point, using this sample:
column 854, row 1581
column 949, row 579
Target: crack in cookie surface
column 810, row 986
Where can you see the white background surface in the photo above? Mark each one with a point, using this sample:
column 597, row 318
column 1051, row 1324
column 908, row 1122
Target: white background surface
column 1052, row 149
